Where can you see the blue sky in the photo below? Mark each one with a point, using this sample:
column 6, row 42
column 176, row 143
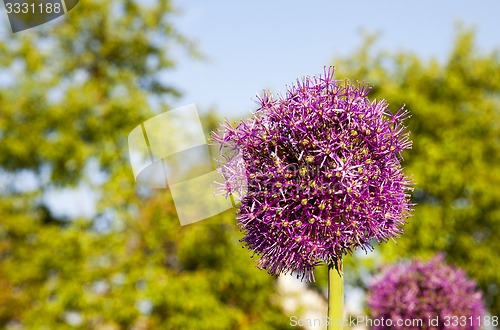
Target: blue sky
column 253, row 45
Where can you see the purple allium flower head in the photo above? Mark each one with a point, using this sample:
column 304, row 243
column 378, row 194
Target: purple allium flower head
column 423, row 291
column 322, row 174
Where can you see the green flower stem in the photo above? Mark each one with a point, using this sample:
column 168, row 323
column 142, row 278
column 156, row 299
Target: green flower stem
column 335, row 296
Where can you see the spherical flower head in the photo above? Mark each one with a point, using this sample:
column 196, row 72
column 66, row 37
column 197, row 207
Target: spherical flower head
column 425, row 291
column 322, row 174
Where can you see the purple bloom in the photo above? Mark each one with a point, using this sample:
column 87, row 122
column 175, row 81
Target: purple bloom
column 322, row 174
column 426, row 291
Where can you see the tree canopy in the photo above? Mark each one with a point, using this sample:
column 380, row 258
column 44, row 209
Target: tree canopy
column 455, row 108
column 70, row 95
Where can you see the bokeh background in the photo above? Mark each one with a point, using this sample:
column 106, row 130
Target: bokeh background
column 83, row 247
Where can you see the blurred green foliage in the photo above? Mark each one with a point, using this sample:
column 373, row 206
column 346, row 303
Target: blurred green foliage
column 455, row 127
column 69, row 97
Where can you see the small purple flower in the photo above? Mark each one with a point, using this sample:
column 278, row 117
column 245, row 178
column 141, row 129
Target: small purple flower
column 441, row 296
column 322, row 174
